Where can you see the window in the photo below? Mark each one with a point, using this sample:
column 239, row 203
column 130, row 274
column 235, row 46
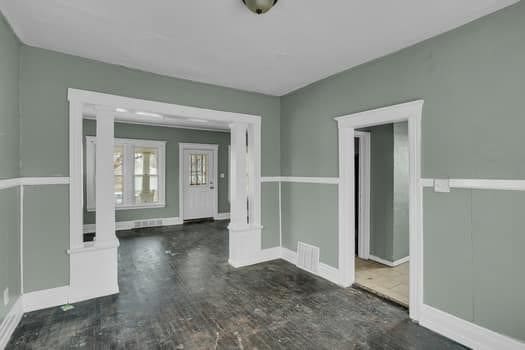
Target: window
column 138, row 168
column 146, row 176
column 198, row 169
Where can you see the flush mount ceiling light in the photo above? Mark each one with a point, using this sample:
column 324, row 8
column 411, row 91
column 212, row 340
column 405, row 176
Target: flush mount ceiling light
column 259, row 6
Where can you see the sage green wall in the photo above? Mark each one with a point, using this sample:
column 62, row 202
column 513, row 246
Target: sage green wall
column 173, row 136
column 46, row 225
column 9, row 166
column 302, row 199
column 270, row 214
column 401, row 196
column 473, row 242
column 9, row 247
column 473, row 82
column 45, row 77
column 9, row 117
column 382, row 191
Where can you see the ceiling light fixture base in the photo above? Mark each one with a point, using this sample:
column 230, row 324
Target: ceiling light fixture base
column 259, row 6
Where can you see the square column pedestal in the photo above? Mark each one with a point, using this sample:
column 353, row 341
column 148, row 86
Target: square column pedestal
column 94, row 271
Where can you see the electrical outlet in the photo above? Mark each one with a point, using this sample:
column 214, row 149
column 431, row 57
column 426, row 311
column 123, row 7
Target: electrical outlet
column 442, row 185
column 6, row 296
column 222, row 176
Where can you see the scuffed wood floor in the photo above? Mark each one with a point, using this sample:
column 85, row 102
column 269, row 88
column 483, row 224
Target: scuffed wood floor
column 177, row 291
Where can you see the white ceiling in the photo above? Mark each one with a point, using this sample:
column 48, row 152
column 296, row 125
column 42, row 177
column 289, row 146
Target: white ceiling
column 221, row 42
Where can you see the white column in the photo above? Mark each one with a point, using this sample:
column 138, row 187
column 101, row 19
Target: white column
column 254, row 180
column 105, row 197
column 245, row 238
column 94, row 266
column 76, row 233
column 238, row 178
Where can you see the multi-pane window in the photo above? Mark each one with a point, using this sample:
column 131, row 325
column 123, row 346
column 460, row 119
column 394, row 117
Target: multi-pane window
column 198, row 169
column 138, row 168
column 146, row 176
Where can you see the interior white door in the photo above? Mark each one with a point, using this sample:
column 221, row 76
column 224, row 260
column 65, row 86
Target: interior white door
column 200, row 173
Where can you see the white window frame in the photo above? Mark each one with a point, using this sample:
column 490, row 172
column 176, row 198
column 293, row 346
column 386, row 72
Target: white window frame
column 127, row 171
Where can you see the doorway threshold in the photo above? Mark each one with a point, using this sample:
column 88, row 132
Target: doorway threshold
column 383, row 296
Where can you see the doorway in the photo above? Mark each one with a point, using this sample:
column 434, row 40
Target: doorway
column 198, row 176
column 382, row 267
column 94, row 265
column 347, row 125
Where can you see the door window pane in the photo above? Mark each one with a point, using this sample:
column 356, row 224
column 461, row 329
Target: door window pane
column 146, row 175
column 198, row 169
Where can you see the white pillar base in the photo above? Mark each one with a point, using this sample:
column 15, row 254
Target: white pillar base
column 94, row 271
column 245, row 245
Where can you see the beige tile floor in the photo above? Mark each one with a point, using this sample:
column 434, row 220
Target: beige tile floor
column 389, row 282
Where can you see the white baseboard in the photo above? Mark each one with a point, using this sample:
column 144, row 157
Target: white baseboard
column 10, row 322
column 222, row 216
column 325, row 271
column 329, row 272
column 289, row 255
column 270, row 254
column 128, row 225
column 53, row 297
column 389, row 263
column 43, row 299
column 466, row 333
column 263, row 256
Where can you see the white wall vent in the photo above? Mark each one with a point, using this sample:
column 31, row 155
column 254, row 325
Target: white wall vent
column 308, row 257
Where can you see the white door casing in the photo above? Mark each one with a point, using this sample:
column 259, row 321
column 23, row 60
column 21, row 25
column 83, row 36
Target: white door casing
column 199, row 199
column 363, row 223
column 411, row 111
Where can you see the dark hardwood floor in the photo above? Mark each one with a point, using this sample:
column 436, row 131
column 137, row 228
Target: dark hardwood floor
column 177, row 291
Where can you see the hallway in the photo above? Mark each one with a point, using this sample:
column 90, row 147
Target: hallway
column 177, row 291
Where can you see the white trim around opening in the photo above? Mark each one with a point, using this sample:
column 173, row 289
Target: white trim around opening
column 411, row 111
column 88, row 260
